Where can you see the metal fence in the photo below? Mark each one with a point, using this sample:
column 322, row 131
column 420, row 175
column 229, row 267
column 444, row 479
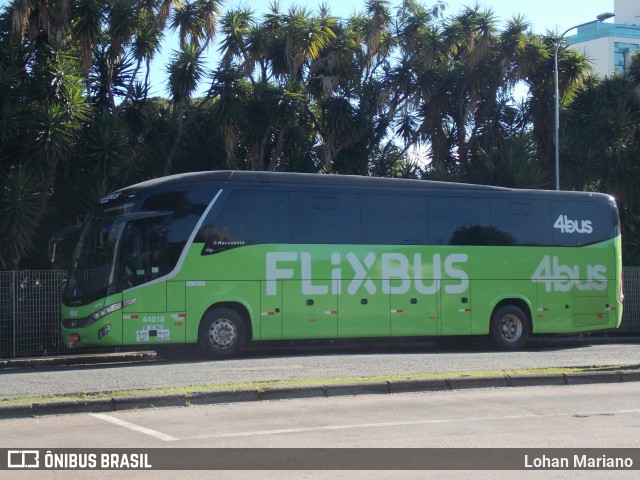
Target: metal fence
column 30, row 315
column 30, row 312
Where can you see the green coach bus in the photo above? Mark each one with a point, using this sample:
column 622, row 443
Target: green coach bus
column 220, row 259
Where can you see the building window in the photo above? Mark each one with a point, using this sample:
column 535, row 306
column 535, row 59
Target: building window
column 622, row 53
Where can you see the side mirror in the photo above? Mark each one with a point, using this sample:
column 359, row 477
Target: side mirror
column 66, row 235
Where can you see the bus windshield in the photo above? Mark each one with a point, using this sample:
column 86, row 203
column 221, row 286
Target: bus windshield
column 93, row 271
column 125, row 243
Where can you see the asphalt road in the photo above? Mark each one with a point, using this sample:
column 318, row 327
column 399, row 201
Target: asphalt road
column 316, row 363
column 572, row 417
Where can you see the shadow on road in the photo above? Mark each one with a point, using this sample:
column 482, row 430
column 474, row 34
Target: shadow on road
column 459, row 345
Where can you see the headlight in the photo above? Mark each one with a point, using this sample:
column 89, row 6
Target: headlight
column 86, row 321
column 105, row 311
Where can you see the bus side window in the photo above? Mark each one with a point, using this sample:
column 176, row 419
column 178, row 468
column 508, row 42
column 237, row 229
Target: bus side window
column 246, row 217
column 394, row 219
column 460, row 221
column 325, row 218
column 521, row 222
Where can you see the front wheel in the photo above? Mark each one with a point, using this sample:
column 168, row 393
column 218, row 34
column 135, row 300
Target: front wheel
column 222, row 333
column 510, row 328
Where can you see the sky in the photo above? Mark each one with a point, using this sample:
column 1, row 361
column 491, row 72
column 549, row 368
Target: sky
column 554, row 15
column 543, row 15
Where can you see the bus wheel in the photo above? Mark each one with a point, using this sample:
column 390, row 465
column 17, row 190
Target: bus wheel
column 222, row 333
column 510, row 328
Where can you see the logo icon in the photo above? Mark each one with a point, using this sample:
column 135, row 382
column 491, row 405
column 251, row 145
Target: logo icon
column 23, row 459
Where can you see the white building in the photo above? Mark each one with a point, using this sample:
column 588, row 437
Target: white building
column 610, row 46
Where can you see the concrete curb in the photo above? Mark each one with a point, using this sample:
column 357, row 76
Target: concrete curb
column 332, row 390
column 70, row 360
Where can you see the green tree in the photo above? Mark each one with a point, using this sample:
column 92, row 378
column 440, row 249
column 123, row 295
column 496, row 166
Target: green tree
column 46, row 106
column 73, row 105
column 460, row 72
column 607, row 113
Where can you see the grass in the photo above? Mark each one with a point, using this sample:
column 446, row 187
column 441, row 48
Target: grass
column 315, row 382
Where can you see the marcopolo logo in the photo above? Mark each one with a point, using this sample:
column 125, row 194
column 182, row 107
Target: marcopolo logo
column 397, row 273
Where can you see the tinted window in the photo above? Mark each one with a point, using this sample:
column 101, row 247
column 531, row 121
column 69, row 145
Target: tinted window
column 246, row 217
column 183, row 209
column 581, row 223
column 325, row 218
column 147, row 254
column 460, row 221
column 520, row 222
column 393, row 219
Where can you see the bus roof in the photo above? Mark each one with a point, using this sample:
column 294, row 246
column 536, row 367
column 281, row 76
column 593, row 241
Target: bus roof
column 230, row 177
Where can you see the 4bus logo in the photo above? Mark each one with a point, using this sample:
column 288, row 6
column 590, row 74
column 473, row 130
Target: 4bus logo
column 562, row 278
column 566, row 225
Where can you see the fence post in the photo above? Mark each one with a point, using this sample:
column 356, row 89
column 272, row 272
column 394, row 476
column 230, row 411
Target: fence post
column 14, row 313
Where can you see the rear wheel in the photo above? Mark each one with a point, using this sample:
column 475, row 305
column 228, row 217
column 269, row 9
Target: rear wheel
column 510, row 328
column 222, row 333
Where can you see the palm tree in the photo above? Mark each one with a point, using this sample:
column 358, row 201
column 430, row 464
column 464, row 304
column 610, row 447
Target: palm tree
column 196, row 23
column 305, row 37
column 146, row 44
column 87, row 17
column 20, row 200
column 236, row 26
column 45, row 102
column 47, row 19
column 285, row 47
column 512, row 164
column 185, row 71
column 469, row 38
column 601, row 144
column 230, row 92
column 377, row 27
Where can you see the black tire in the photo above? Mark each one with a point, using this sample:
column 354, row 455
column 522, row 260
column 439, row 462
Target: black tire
column 222, row 333
column 510, row 328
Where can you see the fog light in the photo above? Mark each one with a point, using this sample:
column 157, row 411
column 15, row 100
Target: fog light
column 103, row 331
column 74, row 338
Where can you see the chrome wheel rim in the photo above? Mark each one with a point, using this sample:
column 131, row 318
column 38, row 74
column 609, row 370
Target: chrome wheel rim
column 511, row 328
column 222, row 333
